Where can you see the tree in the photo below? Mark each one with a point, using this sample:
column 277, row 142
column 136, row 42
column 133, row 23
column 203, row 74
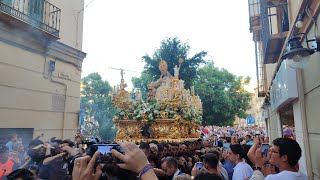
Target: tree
column 223, row 95
column 96, row 103
column 171, row 49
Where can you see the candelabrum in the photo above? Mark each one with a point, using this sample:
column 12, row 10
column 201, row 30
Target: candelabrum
column 121, row 98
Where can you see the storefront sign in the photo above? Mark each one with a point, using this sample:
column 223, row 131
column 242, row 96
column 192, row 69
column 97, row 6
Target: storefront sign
column 284, row 87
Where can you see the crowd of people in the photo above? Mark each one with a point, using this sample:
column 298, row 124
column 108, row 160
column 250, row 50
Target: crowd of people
column 222, row 153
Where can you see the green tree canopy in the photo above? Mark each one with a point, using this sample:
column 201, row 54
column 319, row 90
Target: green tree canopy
column 171, row 49
column 96, row 103
column 223, row 95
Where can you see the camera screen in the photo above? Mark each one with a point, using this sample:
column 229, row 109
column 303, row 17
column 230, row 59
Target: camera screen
column 104, row 149
column 264, row 149
column 199, row 165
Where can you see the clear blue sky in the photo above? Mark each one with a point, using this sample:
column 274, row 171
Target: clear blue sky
column 118, row 33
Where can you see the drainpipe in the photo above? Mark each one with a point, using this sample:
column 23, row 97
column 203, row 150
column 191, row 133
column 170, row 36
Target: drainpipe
column 47, row 73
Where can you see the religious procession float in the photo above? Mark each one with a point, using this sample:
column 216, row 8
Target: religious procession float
column 170, row 113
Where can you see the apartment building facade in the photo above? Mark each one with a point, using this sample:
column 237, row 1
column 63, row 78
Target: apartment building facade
column 288, row 74
column 40, row 67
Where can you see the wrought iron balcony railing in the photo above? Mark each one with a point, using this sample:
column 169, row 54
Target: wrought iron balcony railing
column 274, row 22
column 38, row 13
column 254, row 14
column 260, row 68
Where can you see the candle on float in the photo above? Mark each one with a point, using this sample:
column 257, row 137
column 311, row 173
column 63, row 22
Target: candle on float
column 192, row 90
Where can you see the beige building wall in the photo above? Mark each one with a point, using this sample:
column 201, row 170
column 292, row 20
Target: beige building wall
column 255, row 110
column 258, row 101
column 29, row 96
column 311, row 89
column 306, row 108
column 71, row 27
column 274, row 125
column 293, row 8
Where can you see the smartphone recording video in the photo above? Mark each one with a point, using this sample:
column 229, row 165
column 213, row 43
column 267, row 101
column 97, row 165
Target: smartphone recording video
column 105, row 152
column 264, row 149
column 104, row 149
column 199, row 165
column 257, row 133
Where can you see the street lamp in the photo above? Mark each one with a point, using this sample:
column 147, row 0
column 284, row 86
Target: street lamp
column 296, row 55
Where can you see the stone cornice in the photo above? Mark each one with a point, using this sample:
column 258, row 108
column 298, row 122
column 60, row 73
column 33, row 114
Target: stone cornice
column 37, row 42
column 62, row 52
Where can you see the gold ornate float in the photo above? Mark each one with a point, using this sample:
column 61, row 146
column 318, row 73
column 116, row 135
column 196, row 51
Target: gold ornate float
column 170, row 114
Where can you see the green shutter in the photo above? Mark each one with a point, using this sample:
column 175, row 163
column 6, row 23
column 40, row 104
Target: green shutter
column 7, row 2
column 36, row 9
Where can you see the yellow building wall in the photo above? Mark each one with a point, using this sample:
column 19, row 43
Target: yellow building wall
column 27, row 98
column 293, row 7
column 71, row 21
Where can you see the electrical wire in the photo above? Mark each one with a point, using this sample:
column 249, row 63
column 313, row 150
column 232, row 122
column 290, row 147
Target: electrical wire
column 86, row 6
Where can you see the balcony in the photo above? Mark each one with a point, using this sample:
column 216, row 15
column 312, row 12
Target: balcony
column 274, row 28
column 254, row 15
column 39, row 14
column 260, row 69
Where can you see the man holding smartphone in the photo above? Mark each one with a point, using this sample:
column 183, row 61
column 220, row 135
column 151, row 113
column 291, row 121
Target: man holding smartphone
column 285, row 155
column 209, row 168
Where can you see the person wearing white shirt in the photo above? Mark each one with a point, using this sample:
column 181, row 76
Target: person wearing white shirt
column 170, row 167
column 236, row 155
column 285, row 155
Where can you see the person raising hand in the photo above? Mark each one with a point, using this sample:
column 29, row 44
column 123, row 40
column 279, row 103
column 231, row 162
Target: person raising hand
column 134, row 160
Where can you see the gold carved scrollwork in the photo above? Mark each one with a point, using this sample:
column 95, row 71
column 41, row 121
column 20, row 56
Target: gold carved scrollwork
column 164, row 115
column 163, row 130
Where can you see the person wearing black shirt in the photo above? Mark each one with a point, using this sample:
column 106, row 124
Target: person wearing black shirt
column 209, row 170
